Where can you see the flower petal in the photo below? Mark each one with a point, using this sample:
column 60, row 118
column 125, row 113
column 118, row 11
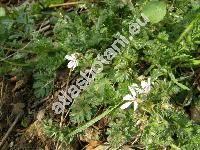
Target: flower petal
column 146, row 86
column 136, row 88
column 128, row 97
column 126, row 105
column 149, row 81
column 148, row 89
column 134, row 85
column 135, row 103
column 75, row 65
column 71, row 64
column 73, row 56
column 68, row 57
column 133, row 92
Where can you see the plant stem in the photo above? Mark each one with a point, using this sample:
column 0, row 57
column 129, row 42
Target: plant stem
column 62, row 118
column 65, row 4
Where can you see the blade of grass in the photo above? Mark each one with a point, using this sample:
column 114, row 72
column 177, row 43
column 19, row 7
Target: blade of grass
column 93, row 121
column 188, row 29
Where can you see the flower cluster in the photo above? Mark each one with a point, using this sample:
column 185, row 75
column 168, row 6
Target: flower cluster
column 136, row 90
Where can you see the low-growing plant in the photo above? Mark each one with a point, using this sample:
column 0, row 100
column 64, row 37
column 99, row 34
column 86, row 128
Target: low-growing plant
column 166, row 50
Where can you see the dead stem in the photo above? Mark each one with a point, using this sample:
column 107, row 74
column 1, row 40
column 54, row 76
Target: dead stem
column 2, row 89
column 62, row 117
column 10, row 129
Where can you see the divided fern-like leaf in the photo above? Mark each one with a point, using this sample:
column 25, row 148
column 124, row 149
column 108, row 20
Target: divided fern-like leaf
column 43, row 84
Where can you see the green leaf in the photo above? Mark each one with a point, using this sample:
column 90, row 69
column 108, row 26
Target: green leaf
column 155, row 11
column 177, row 83
column 43, row 84
column 2, row 12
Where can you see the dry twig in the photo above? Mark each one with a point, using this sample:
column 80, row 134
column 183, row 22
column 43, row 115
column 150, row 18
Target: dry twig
column 10, row 129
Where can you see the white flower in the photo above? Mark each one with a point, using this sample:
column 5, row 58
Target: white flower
column 73, row 62
column 131, row 98
column 135, row 91
column 146, row 86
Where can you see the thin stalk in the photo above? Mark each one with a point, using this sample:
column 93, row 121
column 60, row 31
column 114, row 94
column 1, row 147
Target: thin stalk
column 62, row 118
column 65, row 4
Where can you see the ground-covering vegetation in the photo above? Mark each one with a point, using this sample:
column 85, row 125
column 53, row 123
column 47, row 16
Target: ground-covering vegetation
column 35, row 37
